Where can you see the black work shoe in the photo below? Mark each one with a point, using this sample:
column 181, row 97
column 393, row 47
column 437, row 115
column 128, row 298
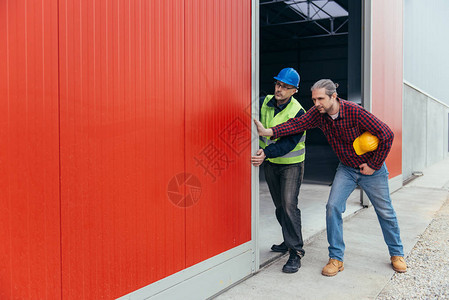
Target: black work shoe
column 279, row 248
column 293, row 263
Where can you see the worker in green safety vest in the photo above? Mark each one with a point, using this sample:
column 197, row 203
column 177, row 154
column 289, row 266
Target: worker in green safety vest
column 284, row 164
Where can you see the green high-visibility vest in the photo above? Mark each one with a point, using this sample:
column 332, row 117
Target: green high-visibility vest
column 268, row 119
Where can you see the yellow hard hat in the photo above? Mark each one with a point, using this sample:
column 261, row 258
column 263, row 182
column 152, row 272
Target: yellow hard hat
column 366, row 142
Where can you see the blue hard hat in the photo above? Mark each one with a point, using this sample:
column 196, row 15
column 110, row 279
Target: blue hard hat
column 288, row 76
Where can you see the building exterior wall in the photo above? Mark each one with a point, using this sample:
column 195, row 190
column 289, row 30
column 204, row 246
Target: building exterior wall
column 128, row 138
column 425, row 47
column 426, row 100
column 386, row 62
column 415, row 133
column 122, row 140
column 217, row 125
column 425, row 131
column 29, row 151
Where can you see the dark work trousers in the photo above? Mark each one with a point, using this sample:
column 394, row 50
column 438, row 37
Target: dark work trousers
column 284, row 182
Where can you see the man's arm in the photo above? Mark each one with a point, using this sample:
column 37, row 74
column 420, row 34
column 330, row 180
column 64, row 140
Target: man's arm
column 285, row 144
column 296, row 125
column 369, row 122
column 293, row 126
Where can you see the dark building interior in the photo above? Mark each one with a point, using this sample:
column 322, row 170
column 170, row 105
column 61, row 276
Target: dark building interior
column 320, row 39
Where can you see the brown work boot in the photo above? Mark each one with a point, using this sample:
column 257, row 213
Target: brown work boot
column 333, row 267
column 398, row 264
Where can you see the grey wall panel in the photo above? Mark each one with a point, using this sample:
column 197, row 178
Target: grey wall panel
column 435, row 132
column 425, row 46
column 414, row 134
column 446, row 133
column 425, row 131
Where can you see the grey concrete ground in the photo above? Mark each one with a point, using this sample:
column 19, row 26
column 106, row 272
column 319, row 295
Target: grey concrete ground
column 428, row 265
column 367, row 273
column 312, row 203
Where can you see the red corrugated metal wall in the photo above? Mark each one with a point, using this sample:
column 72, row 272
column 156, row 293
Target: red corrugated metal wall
column 217, row 88
column 29, row 151
column 122, row 139
column 139, row 168
column 387, row 74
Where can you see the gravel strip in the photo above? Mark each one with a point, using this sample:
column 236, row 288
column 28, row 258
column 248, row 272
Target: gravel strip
column 427, row 276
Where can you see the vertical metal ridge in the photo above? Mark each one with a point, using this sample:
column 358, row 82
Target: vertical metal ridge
column 59, row 148
column 9, row 142
column 184, row 13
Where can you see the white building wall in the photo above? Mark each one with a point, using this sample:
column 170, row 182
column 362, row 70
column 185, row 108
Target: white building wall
column 426, row 44
column 426, row 77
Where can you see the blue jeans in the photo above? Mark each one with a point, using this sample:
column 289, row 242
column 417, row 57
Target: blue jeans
column 376, row 187
column 284, row 182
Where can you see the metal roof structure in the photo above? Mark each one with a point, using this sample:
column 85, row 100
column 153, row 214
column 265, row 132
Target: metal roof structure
column 301, row 19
